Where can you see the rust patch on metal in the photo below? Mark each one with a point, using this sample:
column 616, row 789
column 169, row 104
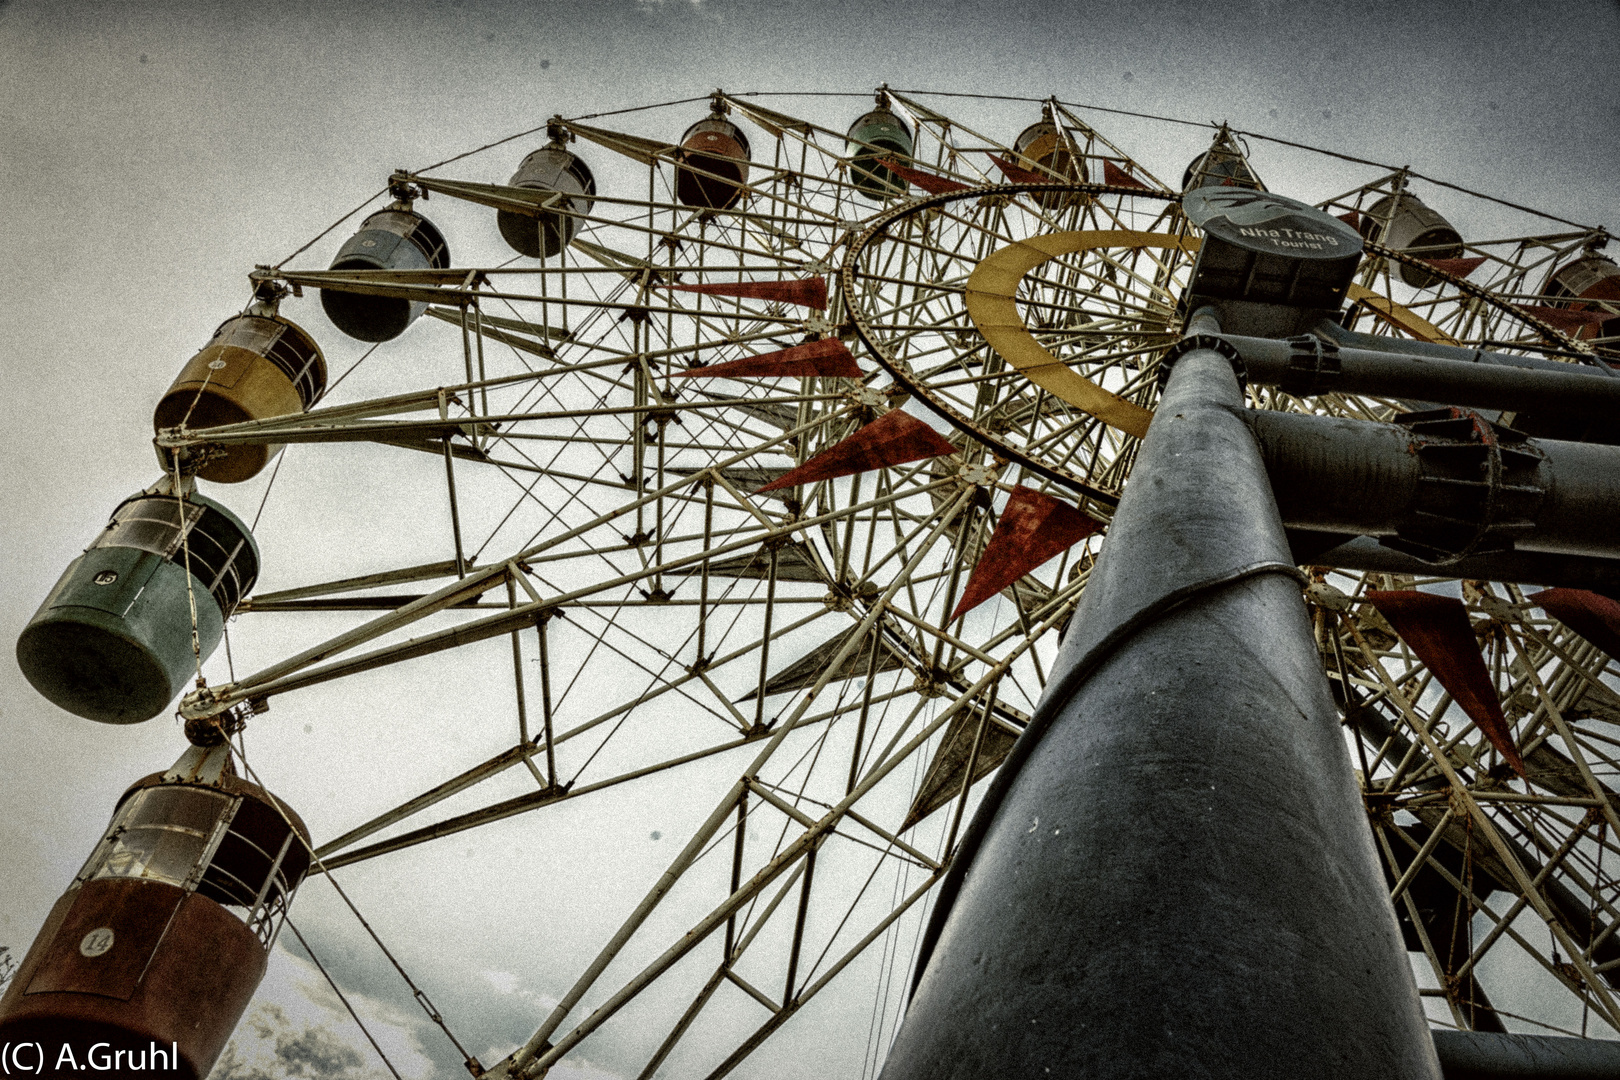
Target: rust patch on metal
column 132, row 914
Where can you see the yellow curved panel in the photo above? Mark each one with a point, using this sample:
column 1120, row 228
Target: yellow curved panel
column 989, row 296
column 1398, row 315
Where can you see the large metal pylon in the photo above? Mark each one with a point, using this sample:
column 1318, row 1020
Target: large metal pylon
column 1173, row 877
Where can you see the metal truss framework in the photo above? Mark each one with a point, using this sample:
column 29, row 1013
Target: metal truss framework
column 604, row 518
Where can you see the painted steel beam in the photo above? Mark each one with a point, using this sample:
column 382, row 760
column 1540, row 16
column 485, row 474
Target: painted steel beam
column 1172, row 874
column 1347, row 552
column 1307, row 367
column 1478, row 1055
column 1360, row 478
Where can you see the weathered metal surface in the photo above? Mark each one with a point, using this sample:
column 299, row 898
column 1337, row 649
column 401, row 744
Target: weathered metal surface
column 1328, row 329
column 268, row 366
column 135, row 912
column 1127, row 903
column 142, row 951
column 1366, row 479
column 712, row 164
column 894, row 438
column 112, row 641
column 826, row 357
column 872, row 139
column 1406, row 223
column 805, row 292
column 1033, row 528
column 1477, row 1055
column 541, row 234
column 1436, row 628
column 1596, row 618
column 1475, row 379
column 1272, row 266
column 189, row 997
column 396, row 238
column 1480, row 486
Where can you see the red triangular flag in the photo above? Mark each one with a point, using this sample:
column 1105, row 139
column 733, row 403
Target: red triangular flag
column 1596, row 618
column 934, row 185
column 826, row 356
column 892, row 439
column 1569, row 320
column 1114, row 176
column 1034, row 528
column 1457, row 267
column 1016, row 175
column 1437, row 629
column 1352, row 219
column 807, row 292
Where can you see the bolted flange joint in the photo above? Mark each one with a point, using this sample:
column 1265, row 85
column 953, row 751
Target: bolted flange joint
column 1313, row 366
column 1480, row 489
column 1194, row 342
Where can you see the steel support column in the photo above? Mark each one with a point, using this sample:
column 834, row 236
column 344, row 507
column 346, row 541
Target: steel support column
column 1362, row 478
column 1474, row 1055
column 1173, row 874
column 1520, row 567
column 1490, row 381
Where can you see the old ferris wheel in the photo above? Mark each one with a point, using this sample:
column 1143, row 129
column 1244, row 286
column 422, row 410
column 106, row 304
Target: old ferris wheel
column 1133, row 623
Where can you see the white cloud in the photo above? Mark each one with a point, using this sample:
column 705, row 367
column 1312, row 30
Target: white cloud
column 298, row 1028
column 503, row 981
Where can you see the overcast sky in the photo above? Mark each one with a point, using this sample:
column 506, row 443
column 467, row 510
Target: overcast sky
column 151, row 154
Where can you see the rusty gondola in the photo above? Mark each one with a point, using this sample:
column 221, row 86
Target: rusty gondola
column 157, row 946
